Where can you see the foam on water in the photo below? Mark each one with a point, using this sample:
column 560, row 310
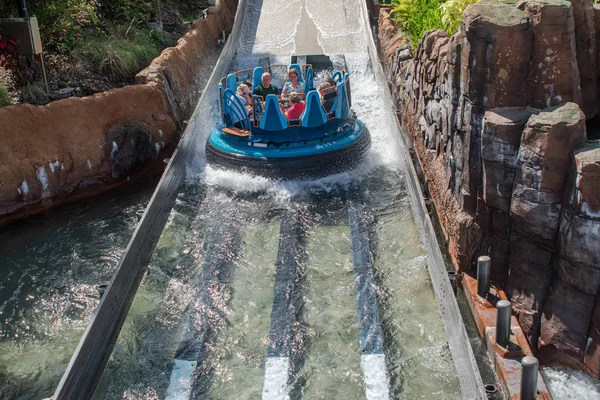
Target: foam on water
column 566, row 384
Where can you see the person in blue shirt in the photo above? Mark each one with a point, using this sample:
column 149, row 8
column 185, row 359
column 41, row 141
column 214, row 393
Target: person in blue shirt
column 293, row 84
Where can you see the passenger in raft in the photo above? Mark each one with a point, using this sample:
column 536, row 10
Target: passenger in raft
column 265, row 88
column 328, row 95
column 243, row 94
column 297, row 107
column 293, row 84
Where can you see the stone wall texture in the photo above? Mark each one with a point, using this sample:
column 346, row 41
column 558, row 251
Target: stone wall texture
column 78, row 147
column 497, row 117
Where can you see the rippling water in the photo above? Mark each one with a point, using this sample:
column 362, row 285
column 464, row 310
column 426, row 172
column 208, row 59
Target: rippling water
column 325, row 335
column 50, row 269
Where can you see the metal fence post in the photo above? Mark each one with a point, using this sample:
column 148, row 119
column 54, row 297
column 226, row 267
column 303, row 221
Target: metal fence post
column 529, row 377
column 484, row 264
column 503, row 315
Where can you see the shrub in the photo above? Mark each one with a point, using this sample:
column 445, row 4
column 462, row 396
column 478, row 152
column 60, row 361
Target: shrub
column 452, row 14
column 417, row 16
column 11, row 61
column 4, row 97
column 127, row 10
column 121, row 55
column 34, row 93
column 63, row 22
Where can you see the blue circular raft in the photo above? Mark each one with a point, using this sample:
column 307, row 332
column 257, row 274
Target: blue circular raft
column 296, row 152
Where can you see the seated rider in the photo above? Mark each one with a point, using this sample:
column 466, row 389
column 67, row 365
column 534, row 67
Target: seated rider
column 297, row 107
column 328, row 95
column 265, row 88
column 293, row 84
column 243, row 94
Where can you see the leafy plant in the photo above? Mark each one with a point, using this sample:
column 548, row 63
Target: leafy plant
column 452, row 14
column 11, row 61
column 63, row 22
column 417, row 16
column 4, row 97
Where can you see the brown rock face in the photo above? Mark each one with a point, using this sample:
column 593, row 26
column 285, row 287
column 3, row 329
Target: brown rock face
column 497, row 44
column 492, row 34
column 52, row 150
column 508, row 180
column 501, row 139
column 586, row 45
column 549, row 140
column 554, row 74
column 547, row 145
column 577, row 267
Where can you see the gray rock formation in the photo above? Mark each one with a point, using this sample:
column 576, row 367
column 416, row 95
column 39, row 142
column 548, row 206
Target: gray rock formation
column 495, row 116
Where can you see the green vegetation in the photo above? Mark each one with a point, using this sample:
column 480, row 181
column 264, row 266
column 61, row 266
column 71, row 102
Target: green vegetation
column 418, row 16
column 34, row 93
column 94, row 44
column 452, row 14
column 4, row 97
column 122, row 53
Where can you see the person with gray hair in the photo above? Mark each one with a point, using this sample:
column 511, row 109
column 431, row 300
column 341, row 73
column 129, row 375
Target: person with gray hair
column 265, row 88
column 328, row 95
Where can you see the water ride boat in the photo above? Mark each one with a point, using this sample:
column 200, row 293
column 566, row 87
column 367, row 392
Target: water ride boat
column 258, row 138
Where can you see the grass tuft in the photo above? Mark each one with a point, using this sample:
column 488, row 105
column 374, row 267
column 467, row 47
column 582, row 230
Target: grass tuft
column 123, row 53
column 34, row 93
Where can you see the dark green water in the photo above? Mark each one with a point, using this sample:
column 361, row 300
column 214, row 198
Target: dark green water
column 50, row 267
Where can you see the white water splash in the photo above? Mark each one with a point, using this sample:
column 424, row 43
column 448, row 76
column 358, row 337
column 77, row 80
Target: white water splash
column 566, row 384
column 24, row 188
column 54, row 165
column 43, row 178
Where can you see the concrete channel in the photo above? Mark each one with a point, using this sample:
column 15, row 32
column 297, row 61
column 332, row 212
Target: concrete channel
column 246, row 42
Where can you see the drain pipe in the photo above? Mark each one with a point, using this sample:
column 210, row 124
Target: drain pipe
column 491, row 391
column 529, row 377
column 484, row 264
column 503, row 316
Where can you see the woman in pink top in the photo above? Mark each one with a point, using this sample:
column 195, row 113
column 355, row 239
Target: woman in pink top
column 297, row 108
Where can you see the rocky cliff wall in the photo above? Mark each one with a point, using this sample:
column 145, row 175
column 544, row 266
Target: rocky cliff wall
column 78, row 147
column 497, row 116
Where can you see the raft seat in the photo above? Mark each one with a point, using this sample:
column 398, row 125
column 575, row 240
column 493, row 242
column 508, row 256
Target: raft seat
column 314, row 115
column 257, row 76
column 272, row 118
